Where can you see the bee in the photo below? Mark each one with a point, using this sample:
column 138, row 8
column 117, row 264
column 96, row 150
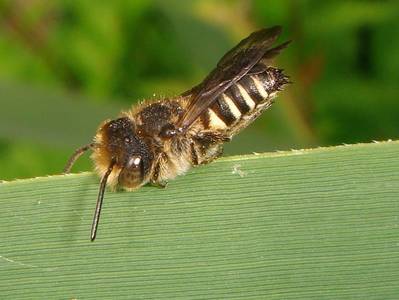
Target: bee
column 159, row 140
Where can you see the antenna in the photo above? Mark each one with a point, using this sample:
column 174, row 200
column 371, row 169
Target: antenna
column 100, row 198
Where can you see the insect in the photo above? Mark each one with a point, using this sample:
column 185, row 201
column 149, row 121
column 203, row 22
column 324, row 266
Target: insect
column 158, row 140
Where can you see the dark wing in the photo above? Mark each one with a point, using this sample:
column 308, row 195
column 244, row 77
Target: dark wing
column 230, row 69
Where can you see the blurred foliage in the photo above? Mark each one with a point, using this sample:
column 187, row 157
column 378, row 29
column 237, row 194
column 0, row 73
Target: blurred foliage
column 343, row 63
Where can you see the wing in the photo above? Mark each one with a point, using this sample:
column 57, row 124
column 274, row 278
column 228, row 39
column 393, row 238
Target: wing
column 231, row 68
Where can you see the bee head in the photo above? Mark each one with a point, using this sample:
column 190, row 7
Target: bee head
column 126, row 150
column 121, row 156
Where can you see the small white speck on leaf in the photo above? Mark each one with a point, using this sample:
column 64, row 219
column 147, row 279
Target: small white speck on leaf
column 237, row 170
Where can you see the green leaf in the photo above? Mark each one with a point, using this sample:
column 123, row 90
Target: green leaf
column 319, row 223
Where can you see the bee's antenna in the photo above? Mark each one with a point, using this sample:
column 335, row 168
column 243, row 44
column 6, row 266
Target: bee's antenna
column 100, row 198
column 78, row 152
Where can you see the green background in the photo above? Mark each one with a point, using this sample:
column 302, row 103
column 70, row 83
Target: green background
column 67, row 65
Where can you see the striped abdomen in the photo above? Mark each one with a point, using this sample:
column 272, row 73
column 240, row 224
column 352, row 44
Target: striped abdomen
column 244, row 101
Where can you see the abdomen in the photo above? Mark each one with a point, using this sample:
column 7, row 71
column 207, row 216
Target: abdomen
column 244, row 101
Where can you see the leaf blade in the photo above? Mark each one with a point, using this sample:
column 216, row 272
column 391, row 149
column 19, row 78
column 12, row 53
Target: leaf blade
column 289, row 225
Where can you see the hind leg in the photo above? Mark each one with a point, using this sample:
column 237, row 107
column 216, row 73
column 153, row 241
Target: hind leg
column 208, row 145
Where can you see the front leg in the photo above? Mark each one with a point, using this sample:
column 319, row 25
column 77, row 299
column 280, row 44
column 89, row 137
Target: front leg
column 159, row 184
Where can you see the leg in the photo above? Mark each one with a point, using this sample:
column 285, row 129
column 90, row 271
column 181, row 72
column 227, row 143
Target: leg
column 155, row 175
column 213, row 155
column 208, row 138
column 161, row 185
column 210, row 142
column 194, row 154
